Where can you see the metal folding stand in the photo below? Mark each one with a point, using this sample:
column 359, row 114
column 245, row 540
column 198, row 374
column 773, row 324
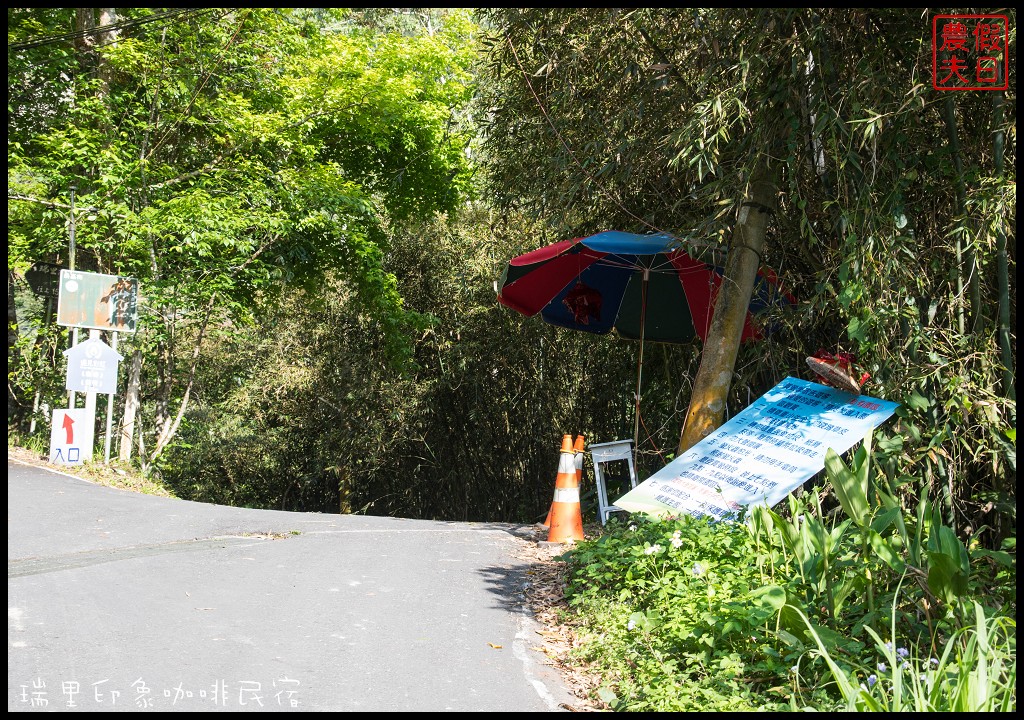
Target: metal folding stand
column 601, row 453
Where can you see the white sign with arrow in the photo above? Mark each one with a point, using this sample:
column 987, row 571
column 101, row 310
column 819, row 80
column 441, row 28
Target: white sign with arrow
column 71, row 436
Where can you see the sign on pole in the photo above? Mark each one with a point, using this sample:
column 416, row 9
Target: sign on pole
column 98, row 302
column 92, row 367
column 43, row 278
column 762, row 454
column 71, row 436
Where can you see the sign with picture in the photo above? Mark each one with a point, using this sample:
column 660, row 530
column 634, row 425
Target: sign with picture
column 98, row 302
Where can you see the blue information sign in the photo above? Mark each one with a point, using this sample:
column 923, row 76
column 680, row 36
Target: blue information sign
column 762, row 454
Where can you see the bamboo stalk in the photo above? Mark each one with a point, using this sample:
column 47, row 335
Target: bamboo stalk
column 965, row 256
column 718, row 359
column 1002, row 263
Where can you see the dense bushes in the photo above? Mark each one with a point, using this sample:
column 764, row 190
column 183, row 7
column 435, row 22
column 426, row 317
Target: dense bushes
column 319, row 418
column 794, row 611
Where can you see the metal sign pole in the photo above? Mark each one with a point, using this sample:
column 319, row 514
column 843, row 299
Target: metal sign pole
column 640, row 364
column 110, row 410
column 90, row 398
column 71, row 266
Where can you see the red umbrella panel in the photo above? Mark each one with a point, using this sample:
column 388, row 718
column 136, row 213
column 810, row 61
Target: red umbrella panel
column 642, row 287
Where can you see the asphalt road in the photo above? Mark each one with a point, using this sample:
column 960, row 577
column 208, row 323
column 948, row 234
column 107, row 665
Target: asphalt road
column 125, row 602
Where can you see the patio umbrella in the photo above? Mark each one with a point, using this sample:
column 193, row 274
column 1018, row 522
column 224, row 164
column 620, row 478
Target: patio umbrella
column 641, row 287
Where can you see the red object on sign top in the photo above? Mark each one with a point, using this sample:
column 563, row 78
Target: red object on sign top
column 837, row 370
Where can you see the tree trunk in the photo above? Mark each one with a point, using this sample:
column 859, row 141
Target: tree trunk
column 711, row 386
column 12, row 342
column 164, row 373
column 85, row 22
column 108, row 17
column 131, row 407
column 168, row 427
column 91, row 35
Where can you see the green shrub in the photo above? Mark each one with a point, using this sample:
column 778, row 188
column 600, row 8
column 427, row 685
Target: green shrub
column 678, row 617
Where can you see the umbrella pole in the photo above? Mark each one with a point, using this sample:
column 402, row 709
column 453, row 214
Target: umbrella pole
column 640, row 364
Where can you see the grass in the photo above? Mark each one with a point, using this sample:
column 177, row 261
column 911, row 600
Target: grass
column 115, row 474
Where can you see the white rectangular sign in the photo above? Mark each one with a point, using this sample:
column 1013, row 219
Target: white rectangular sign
column 71, row 436
column 762, row 454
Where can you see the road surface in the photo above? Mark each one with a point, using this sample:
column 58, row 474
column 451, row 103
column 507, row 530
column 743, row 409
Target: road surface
column 127, row 602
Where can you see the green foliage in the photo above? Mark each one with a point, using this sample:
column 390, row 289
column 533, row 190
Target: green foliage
column 33, row 389
column 851, row 485
column 678, row 619
column 975, row 672
column 312, row 415
column 672, row 612
column 792, row 600
column 227, row 157
column 650, row 119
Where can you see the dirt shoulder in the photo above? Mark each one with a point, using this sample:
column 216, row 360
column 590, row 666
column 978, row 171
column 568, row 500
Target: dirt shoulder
column 111, row 475
column 545, row 596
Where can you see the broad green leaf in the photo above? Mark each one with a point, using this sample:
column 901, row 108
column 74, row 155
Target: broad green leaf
column 917, row 401
column 944, row 577
column 850, row 490
column 773, row 596
column 882, row 522
column 884, row 550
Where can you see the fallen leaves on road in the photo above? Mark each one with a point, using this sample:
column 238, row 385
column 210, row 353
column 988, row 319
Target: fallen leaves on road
column 545, row 596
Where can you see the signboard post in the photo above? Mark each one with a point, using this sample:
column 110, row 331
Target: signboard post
column 110, row 405
column 97, row 302
column 762, row 454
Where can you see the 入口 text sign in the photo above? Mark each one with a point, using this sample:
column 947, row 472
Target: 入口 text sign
column 71, row 436
column 762, row 454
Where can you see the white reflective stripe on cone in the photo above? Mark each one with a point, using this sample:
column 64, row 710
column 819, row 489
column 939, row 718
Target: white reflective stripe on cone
column 567, row 494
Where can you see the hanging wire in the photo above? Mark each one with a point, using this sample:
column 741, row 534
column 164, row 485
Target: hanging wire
column 102, row 29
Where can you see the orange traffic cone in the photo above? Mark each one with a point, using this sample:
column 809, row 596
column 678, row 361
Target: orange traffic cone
column 547, row 520
column 566, row 518
column 578, row 449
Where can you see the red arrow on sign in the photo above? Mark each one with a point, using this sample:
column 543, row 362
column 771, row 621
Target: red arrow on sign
column 68, row 427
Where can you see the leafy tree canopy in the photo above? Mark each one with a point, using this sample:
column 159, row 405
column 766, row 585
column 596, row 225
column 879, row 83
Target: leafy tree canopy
column 231, row 151
column 227, row 156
